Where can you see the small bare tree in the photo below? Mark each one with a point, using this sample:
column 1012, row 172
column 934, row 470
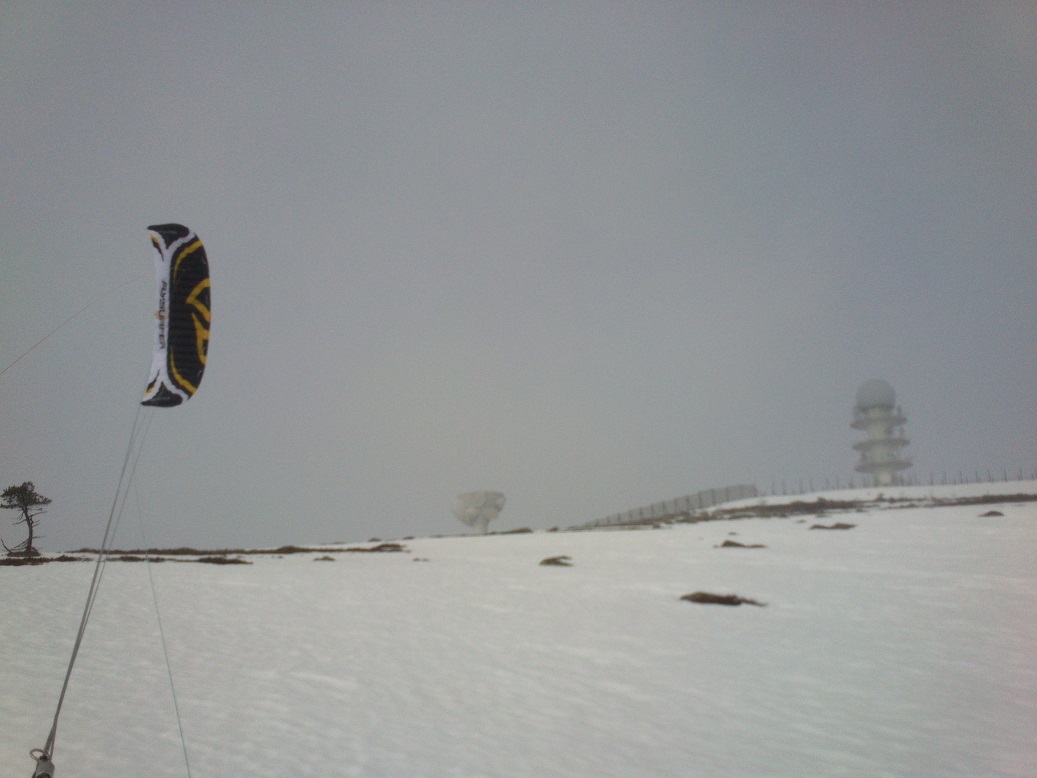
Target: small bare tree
column 29, row 503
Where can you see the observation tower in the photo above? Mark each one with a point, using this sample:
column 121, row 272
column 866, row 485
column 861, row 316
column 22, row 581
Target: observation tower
column 877, row 413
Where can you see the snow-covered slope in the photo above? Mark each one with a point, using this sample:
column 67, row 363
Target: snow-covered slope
column 905, row 646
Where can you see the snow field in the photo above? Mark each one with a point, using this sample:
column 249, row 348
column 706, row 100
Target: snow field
column 903, row 647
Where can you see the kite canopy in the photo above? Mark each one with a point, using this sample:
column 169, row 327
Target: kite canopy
column 183, row 316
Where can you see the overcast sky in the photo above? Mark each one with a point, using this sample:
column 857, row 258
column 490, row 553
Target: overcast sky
column 591, row 255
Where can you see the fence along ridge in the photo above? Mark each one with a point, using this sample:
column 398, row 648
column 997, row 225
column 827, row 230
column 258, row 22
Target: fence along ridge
column 700, row 500
column 708, row 498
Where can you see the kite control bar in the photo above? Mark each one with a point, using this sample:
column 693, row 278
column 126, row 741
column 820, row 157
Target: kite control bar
column 44, row 767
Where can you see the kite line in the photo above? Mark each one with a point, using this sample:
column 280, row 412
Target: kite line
column 44, row 756
column 178, row 362
column 90, row 304
column 161, row 631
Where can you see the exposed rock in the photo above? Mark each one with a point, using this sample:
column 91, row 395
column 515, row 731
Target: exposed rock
column 557, row 561
column 707, row 598
column 381, row 548
column 736, row 544
column 837, row 525
column 223, row 560
column 17, row 560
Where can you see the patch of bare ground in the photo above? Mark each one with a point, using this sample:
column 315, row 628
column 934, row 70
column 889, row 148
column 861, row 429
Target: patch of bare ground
column 557, row 561
column 230, row 556
column 18, row 560
column 708, row 598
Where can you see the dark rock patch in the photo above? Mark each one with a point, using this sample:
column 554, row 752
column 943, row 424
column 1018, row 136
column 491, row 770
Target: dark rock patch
column 557, row 561
column 837, row 525
column 707, row 598
column 991, row 513
column 381, row 548
column 17, row 560
column 134, row 558
column 736, row 544
column 290, row 550
column 223, row 560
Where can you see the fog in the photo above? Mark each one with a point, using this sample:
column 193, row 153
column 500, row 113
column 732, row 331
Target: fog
column 591, row 257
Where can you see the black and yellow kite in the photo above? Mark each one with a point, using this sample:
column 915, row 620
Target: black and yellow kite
column 183, row 318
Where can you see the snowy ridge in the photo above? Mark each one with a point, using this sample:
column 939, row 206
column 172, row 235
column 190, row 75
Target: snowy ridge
column 901, row 647
column 920, row 493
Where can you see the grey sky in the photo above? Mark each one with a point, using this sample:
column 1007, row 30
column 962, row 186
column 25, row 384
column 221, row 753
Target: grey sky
column 589, row 255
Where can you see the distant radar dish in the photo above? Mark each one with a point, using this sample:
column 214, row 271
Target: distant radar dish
column 478, row 509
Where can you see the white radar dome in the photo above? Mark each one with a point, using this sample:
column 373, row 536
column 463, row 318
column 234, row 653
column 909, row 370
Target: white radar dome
column 876, row 393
